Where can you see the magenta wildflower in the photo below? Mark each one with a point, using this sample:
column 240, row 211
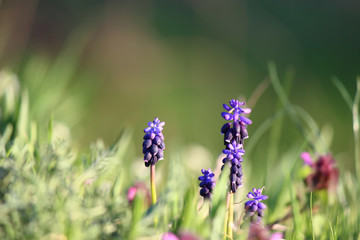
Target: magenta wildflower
column 259, row 232
column 325, row 174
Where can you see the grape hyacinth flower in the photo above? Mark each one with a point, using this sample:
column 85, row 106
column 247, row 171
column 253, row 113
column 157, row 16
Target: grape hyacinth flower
column 234, row 154
column 235, row 132
column 255, row 204
column 325, row 173
column 207, row 183
column 238, row 129
column 153, row 145
column 153, row 150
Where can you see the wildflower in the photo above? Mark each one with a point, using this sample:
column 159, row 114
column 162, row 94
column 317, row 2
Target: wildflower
column 259, row 232
column 153, row 145
column 325, row 174
column 181, row 236
column 234, row 157
column 207, row 183
column 138, row 187
column 237, row 130
column 255, row 205
column 234, row 111
column 169, row 236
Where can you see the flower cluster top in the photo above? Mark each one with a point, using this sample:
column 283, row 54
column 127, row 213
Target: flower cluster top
column 255, row 204
column 155, row 126
column 234, row 111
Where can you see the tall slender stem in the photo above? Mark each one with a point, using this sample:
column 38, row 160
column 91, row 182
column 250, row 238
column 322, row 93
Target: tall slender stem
column 226, row 216
column 231, row 215
column 152, row 184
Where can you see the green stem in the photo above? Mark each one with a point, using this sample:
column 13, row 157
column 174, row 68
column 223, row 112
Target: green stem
column 356, row 127
column 231, row 215
column 152, row 184
column 226, row 217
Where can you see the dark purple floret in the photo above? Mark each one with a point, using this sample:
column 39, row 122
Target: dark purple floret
column 153, row 145
column 255, row 204
column 207, row 183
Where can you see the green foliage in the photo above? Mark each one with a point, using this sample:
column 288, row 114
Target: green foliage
column 48, row 190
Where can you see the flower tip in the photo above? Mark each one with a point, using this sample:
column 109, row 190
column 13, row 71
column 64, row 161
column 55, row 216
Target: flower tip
column 307, row 158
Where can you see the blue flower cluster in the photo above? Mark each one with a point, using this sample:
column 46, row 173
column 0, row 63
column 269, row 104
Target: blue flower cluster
column 234, row 135
column 238, row 129
column 255, row 204
column 207, row 183
column 153, row 145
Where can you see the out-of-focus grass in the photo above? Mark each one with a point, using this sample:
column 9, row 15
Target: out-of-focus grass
column 48, row 190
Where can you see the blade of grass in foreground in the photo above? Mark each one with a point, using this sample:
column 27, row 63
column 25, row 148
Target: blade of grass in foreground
column 356, row 123
column 293, row 111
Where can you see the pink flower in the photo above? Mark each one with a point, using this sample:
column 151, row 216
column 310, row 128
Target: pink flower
column 259, row 232
column 135, row 189
column 325, row 174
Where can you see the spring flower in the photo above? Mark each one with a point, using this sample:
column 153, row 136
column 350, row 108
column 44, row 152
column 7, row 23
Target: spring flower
column 153, row 145
column 255, row 204
column 234, row 154
column 207, row 183
column 180, row 236
column 325, row 174
column 237, row 130
column 259, row 232
column 137, row 188
column 234, row 111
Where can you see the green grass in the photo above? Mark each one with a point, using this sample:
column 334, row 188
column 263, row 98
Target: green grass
column 43, row 194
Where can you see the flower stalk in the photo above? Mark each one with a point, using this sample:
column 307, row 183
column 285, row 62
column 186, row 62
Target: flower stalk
column 152, row 184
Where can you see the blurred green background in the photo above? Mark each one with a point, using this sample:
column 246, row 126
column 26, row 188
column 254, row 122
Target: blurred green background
column 99, row 66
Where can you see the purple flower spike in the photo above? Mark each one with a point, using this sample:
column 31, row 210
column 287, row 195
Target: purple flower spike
column 153, row 145
column 207, row 183
column 255, row 205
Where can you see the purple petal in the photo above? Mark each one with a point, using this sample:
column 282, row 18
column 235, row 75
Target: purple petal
column 246, row 110
column 226, row 151
column 147, row 129
column 250, row 195
column 263, row 197
column 231, row 147
column 226, row 107
column 261, row 205
column 307, row 158
column 236, row 116
column 245, row 120
column 226, row 116
column 161, row 124
column 249, row 203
